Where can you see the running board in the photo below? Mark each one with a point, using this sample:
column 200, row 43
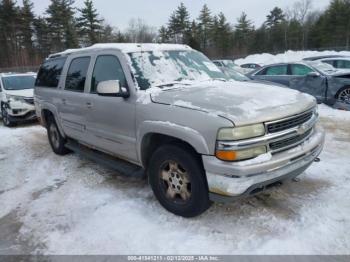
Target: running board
column 121, row 166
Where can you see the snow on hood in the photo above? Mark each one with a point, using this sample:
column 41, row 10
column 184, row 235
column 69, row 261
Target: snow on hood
column 22, row 92
column 241, row 102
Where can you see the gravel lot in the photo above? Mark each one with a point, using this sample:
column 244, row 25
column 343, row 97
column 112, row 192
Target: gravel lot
column 69, row 205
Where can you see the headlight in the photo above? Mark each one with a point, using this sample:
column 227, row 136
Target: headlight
column 14, row 98
column 239, row 133
column 240, row 154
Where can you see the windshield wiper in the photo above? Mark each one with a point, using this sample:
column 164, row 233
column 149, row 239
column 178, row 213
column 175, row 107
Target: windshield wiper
column 171, row 84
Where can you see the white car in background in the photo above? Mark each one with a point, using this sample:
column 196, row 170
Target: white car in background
column 17, row 98
column 338, row 62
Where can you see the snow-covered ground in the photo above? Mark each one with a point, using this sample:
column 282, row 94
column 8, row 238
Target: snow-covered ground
column 289, row 56
column 69, row 205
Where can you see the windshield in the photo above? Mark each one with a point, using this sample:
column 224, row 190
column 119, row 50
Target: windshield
column 323, row 67
column 166, row 68
column 18, row 82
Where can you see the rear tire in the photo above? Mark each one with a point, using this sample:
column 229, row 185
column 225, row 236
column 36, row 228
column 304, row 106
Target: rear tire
column 56, row 140
column 178, row 181
column 343, row 95
column 5, row 117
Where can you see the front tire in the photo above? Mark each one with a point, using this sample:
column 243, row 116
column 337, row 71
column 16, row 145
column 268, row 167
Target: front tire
column 56, row 140
column 178, row 181
column 5, row 117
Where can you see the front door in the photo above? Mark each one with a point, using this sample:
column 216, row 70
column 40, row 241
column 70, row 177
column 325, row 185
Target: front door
column 310, row 84
column 111, row 120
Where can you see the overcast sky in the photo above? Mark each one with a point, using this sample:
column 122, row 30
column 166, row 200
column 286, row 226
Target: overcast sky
column 156, row 12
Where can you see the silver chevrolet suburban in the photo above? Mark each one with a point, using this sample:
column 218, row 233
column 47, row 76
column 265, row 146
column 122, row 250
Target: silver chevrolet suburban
column 167, row 112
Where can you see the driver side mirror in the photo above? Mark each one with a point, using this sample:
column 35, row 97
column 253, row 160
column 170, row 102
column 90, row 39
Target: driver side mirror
column 313, row 74
column 112, row 88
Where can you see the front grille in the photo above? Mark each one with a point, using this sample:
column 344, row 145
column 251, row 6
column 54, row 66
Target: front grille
column 289, row 123
column 29, row 100
column 284, row 144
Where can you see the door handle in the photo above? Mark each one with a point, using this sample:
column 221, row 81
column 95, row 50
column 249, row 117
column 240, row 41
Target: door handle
column 88, row 104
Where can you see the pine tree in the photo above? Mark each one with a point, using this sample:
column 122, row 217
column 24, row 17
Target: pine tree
column 88, row 24
column 222, row 35
column 275, row 25
column 243, row 33
column 9, row 39
column 276, row 17
column 42, row 40
column 163, row 35
column 62, row 25
column 179, row 24
column 26, row 26
column 205, row 24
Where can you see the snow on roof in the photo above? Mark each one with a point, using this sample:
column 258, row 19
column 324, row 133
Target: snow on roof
column 17, row 74
column 127, row 48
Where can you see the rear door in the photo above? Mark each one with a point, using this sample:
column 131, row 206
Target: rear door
column 72, row 101
column 276, row 73
column 343, row 64
column 111, row 120
column 313, row 85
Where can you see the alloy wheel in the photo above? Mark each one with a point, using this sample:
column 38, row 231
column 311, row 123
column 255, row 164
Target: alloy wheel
column 344, row 95
column 175, row 182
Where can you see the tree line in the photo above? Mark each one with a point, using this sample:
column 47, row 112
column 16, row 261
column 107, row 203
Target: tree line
column 26, row 39
column 299, row 27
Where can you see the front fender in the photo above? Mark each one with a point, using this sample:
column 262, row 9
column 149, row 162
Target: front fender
column 187, row 134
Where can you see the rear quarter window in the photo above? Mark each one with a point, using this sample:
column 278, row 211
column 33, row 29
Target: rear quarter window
column 50, row 73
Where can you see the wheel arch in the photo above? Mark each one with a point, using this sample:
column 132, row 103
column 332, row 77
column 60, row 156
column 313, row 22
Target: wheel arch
column 152, row 135
column 46, row 113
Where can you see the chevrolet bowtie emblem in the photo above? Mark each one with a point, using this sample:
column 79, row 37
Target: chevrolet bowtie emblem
column 302, row 129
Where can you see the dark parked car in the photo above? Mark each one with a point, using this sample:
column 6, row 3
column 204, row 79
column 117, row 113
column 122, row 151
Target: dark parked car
column 252, row 66
column 323, row 81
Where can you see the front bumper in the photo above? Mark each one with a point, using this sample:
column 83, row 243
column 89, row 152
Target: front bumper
column 229, row 180
column 20, row 112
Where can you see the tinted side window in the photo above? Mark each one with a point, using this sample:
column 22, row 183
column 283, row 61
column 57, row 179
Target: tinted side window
column 76, row 75
column 343, row 64
column 300, row 70
column 50, row 73
column 107, row 67
column 277, row 70
column 330, row 62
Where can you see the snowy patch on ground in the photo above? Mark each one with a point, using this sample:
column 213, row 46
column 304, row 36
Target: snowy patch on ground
column 288, row 56
column 69, row 205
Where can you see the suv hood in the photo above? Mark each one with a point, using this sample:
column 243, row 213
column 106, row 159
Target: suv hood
column 241, row 102
column 24, row 92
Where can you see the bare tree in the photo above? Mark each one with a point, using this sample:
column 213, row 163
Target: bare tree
column 139, row 32
column 300, row 13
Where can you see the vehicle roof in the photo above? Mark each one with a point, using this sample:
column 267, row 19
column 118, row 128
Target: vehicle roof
column 337, row 58
column 287, row 63
column 314, row 58
column 125, row 48
column 17, row 74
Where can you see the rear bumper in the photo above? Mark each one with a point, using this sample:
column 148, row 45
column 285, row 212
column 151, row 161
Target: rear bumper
column 228, row 181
